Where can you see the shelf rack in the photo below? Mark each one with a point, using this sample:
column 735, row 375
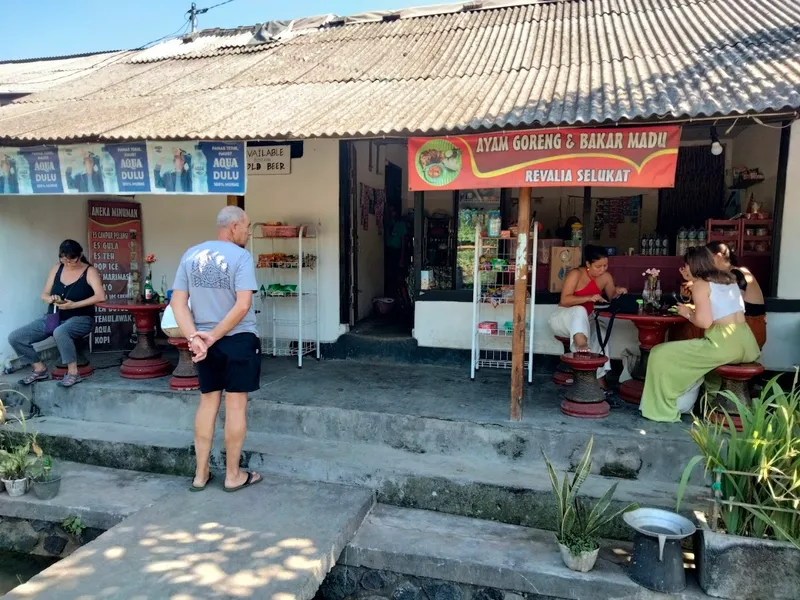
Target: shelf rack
column 493, row 276
column 288, row 293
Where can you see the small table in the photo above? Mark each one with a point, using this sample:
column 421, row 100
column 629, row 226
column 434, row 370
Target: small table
column 144, row 361
column 652, row 328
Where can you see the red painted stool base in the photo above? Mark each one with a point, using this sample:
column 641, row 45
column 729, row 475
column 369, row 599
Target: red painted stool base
column 83, row 370
column 145, row 368
column 720, row 419
column 583, row 410
column 562, row 378
column 631, row 391
column 184, row 384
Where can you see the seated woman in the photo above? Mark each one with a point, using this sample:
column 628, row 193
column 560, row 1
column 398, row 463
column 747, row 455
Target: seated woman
column 582, row 288
column 755, row 313
column 74, row 286
column 719, row 310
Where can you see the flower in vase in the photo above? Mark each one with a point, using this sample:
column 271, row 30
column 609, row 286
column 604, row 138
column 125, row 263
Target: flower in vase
column 150, row 259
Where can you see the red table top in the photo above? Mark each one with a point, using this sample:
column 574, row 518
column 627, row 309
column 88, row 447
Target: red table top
column 131, row 305
column 665, row 318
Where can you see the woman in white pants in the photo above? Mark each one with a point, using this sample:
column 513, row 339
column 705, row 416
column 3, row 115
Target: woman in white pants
column 582, row 288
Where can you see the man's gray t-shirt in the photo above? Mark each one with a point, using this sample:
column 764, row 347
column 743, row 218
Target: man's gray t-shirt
column 212, row 273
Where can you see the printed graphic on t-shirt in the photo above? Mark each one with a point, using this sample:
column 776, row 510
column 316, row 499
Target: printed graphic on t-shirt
column 209, row 270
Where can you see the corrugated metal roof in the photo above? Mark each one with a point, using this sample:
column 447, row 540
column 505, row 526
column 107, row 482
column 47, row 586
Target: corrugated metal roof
column 438, row 70
column 27, row 77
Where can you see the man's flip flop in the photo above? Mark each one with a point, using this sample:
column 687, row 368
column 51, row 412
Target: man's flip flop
column 247, row 483
column 200, row 488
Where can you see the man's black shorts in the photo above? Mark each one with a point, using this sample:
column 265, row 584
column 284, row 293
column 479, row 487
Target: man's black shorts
column 233, row 364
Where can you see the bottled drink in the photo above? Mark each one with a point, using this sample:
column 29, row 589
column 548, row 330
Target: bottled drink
column 148, row 288
column 163, row 290
column 643, row 250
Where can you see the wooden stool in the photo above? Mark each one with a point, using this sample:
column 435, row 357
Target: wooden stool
column 85, row 368
column 585, row 399
column 184, row 377
column 735, row 379
column 563, row 374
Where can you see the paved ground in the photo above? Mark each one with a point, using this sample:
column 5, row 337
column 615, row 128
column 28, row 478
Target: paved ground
column 277, row 540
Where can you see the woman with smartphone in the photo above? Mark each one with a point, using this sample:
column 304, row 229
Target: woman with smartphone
column 74, row 287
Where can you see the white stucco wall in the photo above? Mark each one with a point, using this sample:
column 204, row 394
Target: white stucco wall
column 789, row 268
column 310, row 194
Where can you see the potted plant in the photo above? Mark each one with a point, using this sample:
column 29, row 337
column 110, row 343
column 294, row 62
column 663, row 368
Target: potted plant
column 578, row 526
column 754, row 514
column 14, row 465
column 45, row 483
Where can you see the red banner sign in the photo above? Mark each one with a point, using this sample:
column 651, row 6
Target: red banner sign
column 115, row 249
column 637, row 157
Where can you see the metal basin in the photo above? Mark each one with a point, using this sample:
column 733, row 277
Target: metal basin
column 661, row 524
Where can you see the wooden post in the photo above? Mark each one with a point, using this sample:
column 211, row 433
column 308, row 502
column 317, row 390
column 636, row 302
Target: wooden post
column 520, row 305
column 236, row 201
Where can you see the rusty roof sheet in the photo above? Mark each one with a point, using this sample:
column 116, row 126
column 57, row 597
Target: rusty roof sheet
column 437, row 70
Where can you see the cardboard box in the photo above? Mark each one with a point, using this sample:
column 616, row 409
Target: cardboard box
column 562, row 261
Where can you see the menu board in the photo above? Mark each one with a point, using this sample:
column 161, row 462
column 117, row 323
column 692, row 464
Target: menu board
column 115, row 250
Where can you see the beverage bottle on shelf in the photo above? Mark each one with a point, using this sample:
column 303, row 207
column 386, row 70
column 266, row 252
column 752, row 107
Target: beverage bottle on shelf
column 701, row 237
column 680, row 246
column 664, row 245
column 148, row 288
column 643, row 245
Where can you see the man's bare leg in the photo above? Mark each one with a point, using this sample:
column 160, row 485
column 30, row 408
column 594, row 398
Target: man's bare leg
column 235, row 431
column 204, row 420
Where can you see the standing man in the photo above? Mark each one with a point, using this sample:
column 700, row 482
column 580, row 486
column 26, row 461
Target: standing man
column 220, row 278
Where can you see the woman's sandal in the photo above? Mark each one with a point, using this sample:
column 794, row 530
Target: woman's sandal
column 33, row 377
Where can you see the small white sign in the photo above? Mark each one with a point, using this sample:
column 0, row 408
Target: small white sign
column 269, row 160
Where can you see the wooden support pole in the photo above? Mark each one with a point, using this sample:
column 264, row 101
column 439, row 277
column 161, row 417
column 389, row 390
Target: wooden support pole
column 520, row 305
column 236, row 201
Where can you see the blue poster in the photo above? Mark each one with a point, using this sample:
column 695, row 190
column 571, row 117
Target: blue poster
column 129, row 165
column 44, row 169
column 225, row 167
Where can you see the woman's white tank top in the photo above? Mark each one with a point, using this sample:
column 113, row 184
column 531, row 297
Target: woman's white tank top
column 726, row 299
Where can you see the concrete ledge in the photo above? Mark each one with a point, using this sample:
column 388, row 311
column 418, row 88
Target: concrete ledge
column 481, row 553
column 101, row 497
column 469, row 487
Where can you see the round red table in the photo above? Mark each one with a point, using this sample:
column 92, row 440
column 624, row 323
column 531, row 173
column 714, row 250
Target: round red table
column 144, row 361
column 652, row 328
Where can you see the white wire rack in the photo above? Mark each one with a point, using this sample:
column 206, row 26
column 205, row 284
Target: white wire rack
column 287, row 272
column 493, row 299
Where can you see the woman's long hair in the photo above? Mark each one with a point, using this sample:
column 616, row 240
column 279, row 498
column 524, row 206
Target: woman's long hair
column 71, row 249
column 700, row 261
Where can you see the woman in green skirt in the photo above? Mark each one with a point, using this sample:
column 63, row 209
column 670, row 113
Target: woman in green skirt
column 674, row 367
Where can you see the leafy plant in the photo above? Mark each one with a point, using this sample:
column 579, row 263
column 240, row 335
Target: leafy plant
column 42, row 469
column 17, row 458
column 73, row 525
column 758, row 468
column 578, row 527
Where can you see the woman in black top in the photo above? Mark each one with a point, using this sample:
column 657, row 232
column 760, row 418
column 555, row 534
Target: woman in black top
column 74, row 287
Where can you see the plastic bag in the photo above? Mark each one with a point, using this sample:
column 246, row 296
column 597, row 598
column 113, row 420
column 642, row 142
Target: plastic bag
column 686, row 401
column 168, row 323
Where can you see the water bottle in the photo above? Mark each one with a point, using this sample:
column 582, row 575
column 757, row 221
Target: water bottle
column 200, row 170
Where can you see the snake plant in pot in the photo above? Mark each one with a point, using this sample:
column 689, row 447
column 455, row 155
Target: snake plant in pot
column 579, row 524
column 17, row 455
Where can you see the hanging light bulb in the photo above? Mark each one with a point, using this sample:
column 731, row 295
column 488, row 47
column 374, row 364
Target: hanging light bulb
column 716, row 147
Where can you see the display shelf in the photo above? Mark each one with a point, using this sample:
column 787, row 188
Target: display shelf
column 288, row 322
column 494, row 269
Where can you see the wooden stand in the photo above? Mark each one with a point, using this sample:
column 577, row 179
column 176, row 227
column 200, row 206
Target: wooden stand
column 520, row 305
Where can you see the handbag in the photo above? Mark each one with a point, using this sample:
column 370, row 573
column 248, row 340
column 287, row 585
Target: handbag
column 51, row 320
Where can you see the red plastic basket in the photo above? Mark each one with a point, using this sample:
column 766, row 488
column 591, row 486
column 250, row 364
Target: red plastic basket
column 280, row 231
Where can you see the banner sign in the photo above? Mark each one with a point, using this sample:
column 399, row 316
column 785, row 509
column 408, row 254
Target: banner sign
column 269, row 160
column 115, row 250
column 132, row 168
column 637, row 157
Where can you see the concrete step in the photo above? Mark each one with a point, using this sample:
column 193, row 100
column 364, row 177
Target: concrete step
column 480, row 553
column 277, row 540
column 100, row 496
column 425, row 410
column 474, row 486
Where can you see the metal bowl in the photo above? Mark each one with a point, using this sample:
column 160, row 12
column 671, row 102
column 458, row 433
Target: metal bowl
column 659, row 523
